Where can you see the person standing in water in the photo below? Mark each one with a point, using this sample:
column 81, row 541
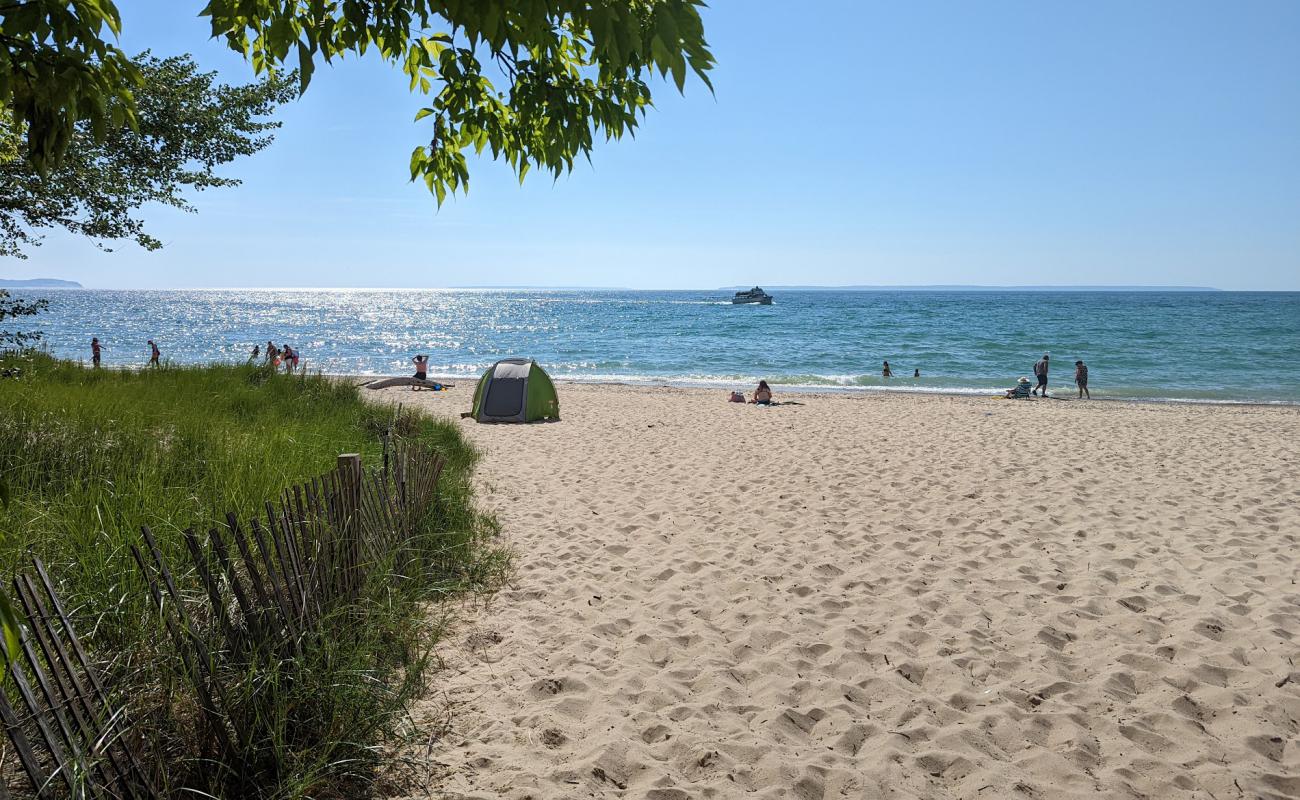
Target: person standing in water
column 154, row 353
column 917, row 374
column 290, row 357
column 95, row 347
column 1040, row 372
column 1081, row 378
column 887, row 372
column 257, row 351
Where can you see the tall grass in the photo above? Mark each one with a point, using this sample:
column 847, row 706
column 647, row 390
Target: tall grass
column 91, row 455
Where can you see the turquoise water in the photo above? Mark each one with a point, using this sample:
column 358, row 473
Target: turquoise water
column 1216, row 346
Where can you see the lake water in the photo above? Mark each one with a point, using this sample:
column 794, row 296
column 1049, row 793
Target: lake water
column 1212, row 346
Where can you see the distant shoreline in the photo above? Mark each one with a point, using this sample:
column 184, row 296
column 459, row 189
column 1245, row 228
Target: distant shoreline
column 38, row 283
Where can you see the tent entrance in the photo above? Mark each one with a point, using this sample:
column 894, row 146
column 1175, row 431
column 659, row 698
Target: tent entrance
column 506, row 390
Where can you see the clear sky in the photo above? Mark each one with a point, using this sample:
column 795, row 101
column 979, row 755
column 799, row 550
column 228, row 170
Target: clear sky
column 848, row 142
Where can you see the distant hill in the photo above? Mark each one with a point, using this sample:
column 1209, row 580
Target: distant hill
column 38, row 283
column 960, row 288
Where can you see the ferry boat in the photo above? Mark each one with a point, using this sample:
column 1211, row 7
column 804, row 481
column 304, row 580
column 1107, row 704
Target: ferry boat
column 755, row 295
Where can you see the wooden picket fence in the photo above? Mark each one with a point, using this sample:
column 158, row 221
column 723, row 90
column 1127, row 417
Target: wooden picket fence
column 265, row 585
column 68, row 735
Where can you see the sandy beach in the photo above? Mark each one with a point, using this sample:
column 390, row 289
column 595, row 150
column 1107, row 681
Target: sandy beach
column 879, row 596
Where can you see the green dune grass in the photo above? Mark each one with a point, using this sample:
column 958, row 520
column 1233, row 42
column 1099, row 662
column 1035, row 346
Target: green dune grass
column 89, row 456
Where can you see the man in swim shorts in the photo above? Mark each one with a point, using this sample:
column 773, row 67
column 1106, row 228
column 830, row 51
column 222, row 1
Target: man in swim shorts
column 1081, row 378
column 1040, row 372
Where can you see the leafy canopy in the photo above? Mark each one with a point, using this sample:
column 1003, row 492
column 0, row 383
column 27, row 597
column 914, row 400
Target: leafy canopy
column 186, row 125
column 531, row 81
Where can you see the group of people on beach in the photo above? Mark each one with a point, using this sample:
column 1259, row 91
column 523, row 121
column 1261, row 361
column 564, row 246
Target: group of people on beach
column 97, row 352
column 1022, row 388
column 276, row 356
column 290, row 358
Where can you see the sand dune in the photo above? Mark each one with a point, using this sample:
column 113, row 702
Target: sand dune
column 884, row 596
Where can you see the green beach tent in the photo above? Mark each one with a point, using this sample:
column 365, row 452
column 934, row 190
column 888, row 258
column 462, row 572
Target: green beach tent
column 515, row 390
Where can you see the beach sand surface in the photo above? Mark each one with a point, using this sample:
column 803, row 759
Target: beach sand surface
column 880, row 596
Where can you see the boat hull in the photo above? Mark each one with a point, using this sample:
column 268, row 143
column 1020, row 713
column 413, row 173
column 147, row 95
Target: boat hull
column 756, row 301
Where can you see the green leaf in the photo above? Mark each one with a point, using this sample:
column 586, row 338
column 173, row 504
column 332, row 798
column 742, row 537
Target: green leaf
column 306, row 65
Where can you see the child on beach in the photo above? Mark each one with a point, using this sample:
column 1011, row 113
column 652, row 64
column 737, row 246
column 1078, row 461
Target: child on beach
column 1081, row 378
column 154, row 354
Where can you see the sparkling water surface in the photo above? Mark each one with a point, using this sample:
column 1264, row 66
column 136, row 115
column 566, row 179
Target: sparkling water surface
column 1212, row 346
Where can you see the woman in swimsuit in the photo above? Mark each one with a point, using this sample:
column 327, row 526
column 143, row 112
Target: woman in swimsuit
column 887, row 372
column 763, row 394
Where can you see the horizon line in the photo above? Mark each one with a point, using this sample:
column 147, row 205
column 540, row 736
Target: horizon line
column 576, row 287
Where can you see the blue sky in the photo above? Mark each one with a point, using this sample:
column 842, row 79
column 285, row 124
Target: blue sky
column 848, row 142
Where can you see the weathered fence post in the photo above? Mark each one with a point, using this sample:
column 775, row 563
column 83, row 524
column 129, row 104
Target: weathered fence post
column 349, row 482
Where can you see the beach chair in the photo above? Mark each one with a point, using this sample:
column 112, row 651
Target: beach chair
column 1021, row 390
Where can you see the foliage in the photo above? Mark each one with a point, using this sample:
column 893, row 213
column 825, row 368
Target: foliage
column 14, row 308
column 94, row 454
column 56, row 70
column 533, row 82
column 186, row 126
